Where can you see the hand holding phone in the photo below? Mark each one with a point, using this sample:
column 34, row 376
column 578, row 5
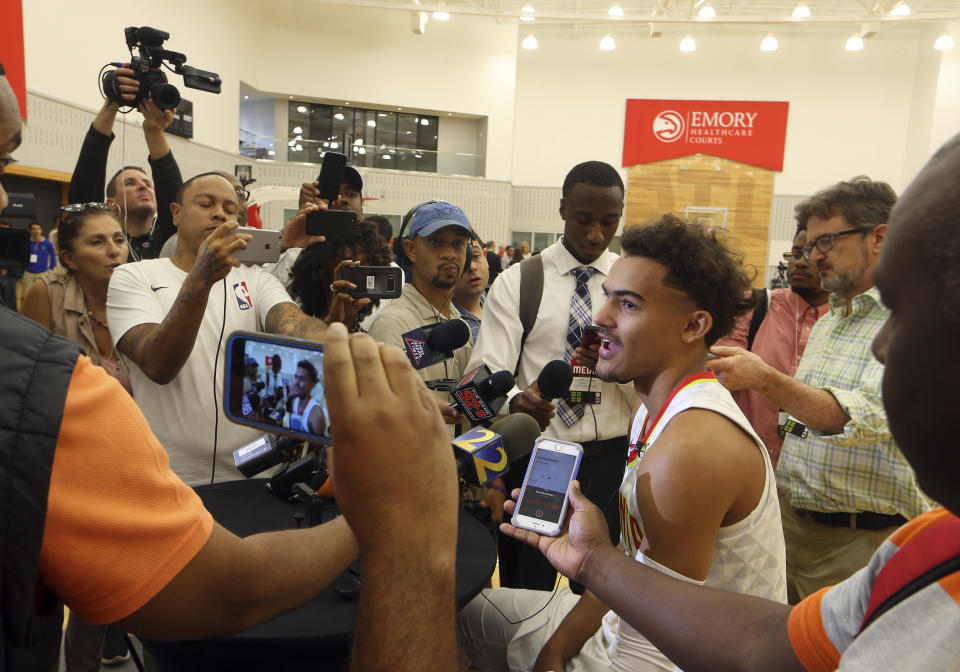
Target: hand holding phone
column 542, row 505
column 375, row 282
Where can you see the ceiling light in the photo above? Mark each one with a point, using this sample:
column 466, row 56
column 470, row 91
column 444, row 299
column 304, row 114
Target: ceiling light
column 297, row 129
column 246, row 97
column 347, row 103
column 302, row 109
column 530, row 42
column 527, row 9
column 362, row 151
column 299, row 137
column 688, row 44
column 292, row 143
column 615, row 10
column 399, row 108
column 299, row 147
column 358, row 141
column 607, row 44
column 707, row 12
column 855, row 43
column 338, row 116
column 769, row 43
column 441, row 16
column 270, row 152
column 386, row 157
column 291, row 97
column 900, row 10
column 527, row 18
column 409, row 132
column 326, row 144
column 801, row 11
column 943, row 42
column 449, row 114
column 371, row 123
column 334, row 145
column 424, row 122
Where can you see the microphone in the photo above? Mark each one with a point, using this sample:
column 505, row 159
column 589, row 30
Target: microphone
column 435, row 342
column 484, row 454
column 480, row 394
column 263, row 453
column 555, row 379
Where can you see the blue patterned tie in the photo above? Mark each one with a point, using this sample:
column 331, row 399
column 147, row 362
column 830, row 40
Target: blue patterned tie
column 581, row 315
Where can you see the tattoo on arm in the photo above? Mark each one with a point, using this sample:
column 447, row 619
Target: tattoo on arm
column 138, row 342
column 288, row 320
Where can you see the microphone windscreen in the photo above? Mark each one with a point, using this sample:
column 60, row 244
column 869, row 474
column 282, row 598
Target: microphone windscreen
column 555, row 379
column 500, row 382
column 518, row 431
column 448, row 336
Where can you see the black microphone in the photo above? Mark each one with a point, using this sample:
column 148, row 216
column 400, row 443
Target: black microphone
column 484, row 454
column 434, row 343
column 555, row 379
column 263, row 453
column 480, row 394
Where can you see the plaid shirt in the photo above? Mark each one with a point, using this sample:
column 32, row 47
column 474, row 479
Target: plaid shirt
column 860, row 469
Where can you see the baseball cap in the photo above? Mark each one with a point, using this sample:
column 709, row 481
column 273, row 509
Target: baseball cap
column 251, row 362
column 352, row 177
column 434, row 216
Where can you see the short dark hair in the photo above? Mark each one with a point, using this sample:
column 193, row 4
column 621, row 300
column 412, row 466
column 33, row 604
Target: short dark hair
column 112, row 183
column 209, row 173
column 384, row 227
column 699, row 264
column 863, row 202
column 31, row 224
column 597, row 173
column 310, row 369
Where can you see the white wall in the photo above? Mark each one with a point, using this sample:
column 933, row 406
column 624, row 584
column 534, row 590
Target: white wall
column 849, row 112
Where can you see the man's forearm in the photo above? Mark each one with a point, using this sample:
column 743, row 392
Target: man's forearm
column 406, row 613
column 816, row 408
column 731, row 632
column 161, row 350
column 103, row 122
column 157, row 143
column 287, row 319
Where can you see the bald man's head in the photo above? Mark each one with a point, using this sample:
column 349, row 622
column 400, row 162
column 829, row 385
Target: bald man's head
column 9, row 128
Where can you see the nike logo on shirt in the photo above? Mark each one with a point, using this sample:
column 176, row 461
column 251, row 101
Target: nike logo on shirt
column 158, row 288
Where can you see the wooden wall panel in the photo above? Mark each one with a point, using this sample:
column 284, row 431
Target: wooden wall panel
column 702, row 181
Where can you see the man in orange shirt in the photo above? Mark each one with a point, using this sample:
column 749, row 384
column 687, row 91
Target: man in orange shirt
column 92, row 516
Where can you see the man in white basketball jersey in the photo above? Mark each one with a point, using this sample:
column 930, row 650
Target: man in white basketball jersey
column 698, row 500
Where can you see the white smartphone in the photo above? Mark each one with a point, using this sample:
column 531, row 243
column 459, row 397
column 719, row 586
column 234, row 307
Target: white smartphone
column 543, row 501
column 263, row 249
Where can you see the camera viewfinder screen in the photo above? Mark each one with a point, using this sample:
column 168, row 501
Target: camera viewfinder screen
column 279, row 385
column 550, row 473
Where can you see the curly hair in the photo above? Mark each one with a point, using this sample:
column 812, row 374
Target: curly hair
column 312, row 272
column 699, row 264
column 863, row 202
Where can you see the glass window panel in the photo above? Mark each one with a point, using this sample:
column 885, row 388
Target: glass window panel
column 427, row 138
column 407, row 131
column 386, row 129
column 405, row 159
column 320, row 116
column 427, row 162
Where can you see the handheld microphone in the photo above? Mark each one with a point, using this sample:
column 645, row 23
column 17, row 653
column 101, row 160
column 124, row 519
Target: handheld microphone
column 555, row 379
column 480, row 394
column 263, row 453
column 435, row 342
column 484, row 454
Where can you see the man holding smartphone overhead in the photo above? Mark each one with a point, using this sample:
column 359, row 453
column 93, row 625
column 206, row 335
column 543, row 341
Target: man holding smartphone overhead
column 170, row 317
column 698, row 500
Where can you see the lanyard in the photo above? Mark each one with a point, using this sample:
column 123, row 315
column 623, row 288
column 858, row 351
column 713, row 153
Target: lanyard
column 634, row 454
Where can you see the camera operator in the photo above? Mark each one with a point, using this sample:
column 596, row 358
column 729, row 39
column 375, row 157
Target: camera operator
column 143, row 204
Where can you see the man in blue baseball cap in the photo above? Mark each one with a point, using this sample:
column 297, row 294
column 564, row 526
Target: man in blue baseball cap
column 435, row 244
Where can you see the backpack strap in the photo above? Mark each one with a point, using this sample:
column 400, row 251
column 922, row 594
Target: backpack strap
column 760, row 312
column 531, row 292
column 925, row 558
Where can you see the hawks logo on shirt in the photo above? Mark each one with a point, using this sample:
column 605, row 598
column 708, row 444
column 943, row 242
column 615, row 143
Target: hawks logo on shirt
column 243, row 296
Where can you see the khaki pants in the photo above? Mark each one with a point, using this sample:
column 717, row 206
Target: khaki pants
column 28, row 279
column 820, row 555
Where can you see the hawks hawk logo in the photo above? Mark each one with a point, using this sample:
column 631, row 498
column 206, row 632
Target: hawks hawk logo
column 668, row 126
column 416, row 348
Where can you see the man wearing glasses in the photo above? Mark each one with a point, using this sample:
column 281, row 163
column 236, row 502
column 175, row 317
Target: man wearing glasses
column 845, row 485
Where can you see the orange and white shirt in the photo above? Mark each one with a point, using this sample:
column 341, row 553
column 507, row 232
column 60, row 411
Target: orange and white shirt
column 922, row 632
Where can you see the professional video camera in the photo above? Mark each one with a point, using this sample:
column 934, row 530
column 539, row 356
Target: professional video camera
column 146, row 68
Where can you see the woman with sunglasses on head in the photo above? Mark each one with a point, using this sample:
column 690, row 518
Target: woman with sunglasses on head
column 72, row 300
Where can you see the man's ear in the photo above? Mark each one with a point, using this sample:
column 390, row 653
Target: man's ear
column 410, row 249
column 176, row 210
column 563, row 210
column 879, row 233
column 697, row 327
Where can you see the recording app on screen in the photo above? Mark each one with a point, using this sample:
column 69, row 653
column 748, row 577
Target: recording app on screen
column 547, row 485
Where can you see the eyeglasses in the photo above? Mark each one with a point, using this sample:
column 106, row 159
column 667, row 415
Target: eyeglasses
column 795, row 254
column 243, row 194
column 74, row 208
column 824, row 243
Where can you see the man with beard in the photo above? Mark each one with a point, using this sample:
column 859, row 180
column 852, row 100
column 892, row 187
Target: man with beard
column 436, row 244
column 306, row 412
column 779, row 337
column 846, row 487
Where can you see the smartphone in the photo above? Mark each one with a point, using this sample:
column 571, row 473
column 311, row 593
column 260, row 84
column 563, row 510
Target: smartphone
column 331, row 176
column 263, row 249
column 374, row 282
column 590, row 336
column 543, row 501
column 246, row 401
column 332, row 224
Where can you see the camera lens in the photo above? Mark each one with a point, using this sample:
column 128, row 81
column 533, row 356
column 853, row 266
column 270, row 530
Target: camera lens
column 165, row 96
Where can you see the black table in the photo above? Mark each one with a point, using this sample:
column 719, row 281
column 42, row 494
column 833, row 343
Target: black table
column 319, row 633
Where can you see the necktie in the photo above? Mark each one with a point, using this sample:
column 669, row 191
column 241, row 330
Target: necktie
column 581, row 315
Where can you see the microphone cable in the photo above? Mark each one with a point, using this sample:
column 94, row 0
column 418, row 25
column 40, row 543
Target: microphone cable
column 553, row 594
column 216, row 406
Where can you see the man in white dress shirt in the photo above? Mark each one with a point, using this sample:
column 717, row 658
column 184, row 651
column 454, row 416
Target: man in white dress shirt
column 573, row 270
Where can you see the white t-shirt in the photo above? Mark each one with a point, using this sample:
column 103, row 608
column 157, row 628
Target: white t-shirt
column 183, row 413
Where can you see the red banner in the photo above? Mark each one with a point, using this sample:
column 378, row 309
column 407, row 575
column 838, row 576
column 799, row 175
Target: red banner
column 11, row 49
column 747, row 131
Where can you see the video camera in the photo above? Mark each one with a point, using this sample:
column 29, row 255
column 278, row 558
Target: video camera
column 146, row 68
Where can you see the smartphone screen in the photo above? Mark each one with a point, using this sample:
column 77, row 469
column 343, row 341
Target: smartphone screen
column 543, row 498
column 275, row 384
